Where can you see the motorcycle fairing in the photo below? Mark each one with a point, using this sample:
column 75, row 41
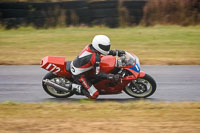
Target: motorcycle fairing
column 135, row 75
column 135, row 68
column 55, row 65
column 108, row 87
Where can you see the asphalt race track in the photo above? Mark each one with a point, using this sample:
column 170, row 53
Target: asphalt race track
column 174, row 83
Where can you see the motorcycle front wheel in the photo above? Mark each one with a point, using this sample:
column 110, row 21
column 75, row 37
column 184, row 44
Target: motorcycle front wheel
column 58, row 80
column 141, row 87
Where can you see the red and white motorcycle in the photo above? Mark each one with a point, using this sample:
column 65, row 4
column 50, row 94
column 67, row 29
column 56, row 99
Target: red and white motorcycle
column 134, row 82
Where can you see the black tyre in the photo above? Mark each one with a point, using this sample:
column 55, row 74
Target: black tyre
column 141, row 87
column 53, row 92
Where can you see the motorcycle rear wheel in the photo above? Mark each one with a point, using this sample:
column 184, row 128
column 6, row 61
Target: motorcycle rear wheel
column 53, row 92
column 141, row 87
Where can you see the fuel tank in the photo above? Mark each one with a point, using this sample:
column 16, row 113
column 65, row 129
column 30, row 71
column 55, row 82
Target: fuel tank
column 107, row 64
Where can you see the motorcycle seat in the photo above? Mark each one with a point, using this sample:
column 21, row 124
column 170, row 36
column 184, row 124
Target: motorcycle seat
column 68, row 63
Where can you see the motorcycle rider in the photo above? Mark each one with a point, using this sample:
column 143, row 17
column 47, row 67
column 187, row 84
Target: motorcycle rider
column 88, row 59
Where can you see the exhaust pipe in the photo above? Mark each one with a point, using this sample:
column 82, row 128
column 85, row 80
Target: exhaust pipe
column 54, row 85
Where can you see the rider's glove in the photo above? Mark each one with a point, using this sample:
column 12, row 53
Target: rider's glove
column 120, row 52
column 114, row 77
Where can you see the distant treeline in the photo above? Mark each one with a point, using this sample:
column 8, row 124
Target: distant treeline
column 111, row 13
column 179, row 12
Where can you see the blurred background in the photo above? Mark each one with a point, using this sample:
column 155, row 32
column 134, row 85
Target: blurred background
column 111, row 13
column 155, row 30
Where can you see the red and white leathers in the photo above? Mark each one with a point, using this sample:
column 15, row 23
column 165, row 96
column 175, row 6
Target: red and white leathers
column 88, row 59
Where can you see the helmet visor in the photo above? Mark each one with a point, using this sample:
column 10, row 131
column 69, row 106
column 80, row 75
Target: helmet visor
column 104, row 47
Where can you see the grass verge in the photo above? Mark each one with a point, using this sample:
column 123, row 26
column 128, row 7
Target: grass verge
column 154, row 45
column 105, row 117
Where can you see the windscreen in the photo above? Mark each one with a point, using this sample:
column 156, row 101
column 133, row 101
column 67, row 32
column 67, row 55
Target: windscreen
column 127, row 60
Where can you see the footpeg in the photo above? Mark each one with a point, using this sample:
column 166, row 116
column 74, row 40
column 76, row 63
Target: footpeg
column 76, row 88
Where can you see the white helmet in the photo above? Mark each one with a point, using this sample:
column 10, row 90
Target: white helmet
column 101, row 43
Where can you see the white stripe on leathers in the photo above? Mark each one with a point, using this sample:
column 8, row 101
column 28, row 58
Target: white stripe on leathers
column 77, row 71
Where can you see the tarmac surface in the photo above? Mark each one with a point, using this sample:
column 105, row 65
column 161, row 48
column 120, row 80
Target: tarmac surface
column 174, row 84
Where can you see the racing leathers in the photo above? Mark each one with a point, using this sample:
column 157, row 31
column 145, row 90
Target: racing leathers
column 89, row 59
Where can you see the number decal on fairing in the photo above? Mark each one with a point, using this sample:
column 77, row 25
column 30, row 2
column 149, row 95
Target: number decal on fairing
column 52, row 69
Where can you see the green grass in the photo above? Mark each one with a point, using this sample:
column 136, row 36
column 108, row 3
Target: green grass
column 153, row 45
column 138, row 116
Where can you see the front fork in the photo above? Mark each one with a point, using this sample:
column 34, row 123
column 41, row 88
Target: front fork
column 132, row 79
